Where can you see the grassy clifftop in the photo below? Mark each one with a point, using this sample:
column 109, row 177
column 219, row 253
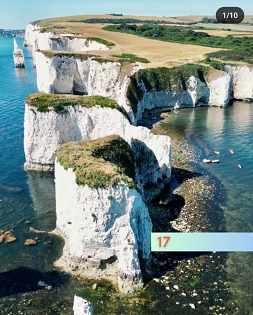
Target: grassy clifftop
column 99, row 163
column 165, row 79
column 57, row 102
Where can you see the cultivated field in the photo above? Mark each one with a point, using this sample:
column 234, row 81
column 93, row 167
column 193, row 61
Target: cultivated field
column 232, row 27
column 198, row 18
column 159, row 53
column 224, row 33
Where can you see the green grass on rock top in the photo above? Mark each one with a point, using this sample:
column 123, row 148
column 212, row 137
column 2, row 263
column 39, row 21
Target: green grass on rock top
column 101, row 40
column 57, row 102
column 100, row 163
column 165, row 79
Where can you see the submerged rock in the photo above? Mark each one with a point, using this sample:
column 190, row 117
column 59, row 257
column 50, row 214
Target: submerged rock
column 18, row 56
column 29, row 242
column 42, row 284
column 82, row 307
column 7, row 237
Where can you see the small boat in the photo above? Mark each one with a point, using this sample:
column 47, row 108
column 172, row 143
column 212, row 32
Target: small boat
column 215, row 161
column 216, row 152
column 206, row 161
column 239, row 166
column 231, row 151
column 186, row 151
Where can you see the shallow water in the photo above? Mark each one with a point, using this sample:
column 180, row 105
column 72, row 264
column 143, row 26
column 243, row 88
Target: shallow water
column 213, row 128
column 223, row 129
column 27, row 200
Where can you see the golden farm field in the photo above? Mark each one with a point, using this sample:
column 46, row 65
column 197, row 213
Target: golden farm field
column 159, row 53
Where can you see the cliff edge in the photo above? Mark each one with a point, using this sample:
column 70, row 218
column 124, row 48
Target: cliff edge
column 100, row 212
column 51, row 120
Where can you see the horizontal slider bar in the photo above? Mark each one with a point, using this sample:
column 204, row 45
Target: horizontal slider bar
column 202, row 242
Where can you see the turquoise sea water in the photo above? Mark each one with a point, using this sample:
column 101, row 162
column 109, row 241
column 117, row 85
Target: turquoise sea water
column 27, row 200
column 213, row 128
column 222, row 129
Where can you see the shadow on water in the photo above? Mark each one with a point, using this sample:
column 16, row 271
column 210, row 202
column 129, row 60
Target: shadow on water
column 163, row 211
column 24, row 279
column 183, row 175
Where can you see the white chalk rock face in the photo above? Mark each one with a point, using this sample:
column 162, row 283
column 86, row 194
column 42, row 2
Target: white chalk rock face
column 71, row 75
column 31, row 34
column 37, row 39
column 34, row 35
column 215, row 92
column 44, row 131
column 18, row 56
column 104, row 230
column 82, row 307
column 242, row 81
column 220, row 90
column 148, row 172
column 63, row 74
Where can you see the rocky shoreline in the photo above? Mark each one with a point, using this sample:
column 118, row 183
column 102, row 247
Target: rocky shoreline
column 183, row 282
column 189, row 283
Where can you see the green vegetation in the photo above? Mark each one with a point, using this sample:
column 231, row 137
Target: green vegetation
column 129, row 20
column 57, row 102
column 163, row 79
column 102, row 41
column 99, row 163
column 81, row 56
column 45, row 30
column 229, row 55
column 131, row 58
column 186, row 36
column 213, row 63
column 209, row 20
column 194, row 281
column 50, row 54
column 116, row 14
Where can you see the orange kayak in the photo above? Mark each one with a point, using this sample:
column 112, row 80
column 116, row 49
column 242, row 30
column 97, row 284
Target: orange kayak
column 216, row 152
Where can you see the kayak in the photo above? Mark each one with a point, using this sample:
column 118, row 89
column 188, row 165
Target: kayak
column 206, row 161
column 239, row 166
column 216, row 152
column 186, row 151
column 231, row 151
column 215, row 161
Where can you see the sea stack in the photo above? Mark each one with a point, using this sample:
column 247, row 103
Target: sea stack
column 18, row 56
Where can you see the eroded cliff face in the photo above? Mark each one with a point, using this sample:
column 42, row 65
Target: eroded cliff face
column 44, row 131
column 37, row 38
column 104, row 230
column 178, row 87
column 66, row 74
column 242, row 81
column 150, row 89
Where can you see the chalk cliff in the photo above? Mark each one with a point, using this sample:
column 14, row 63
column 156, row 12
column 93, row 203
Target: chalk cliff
column 86, row 117
column 184, row 86
column 140, row 90
column 18, row 56
column 100, row 213
column 36, row 36
column 242, row 81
